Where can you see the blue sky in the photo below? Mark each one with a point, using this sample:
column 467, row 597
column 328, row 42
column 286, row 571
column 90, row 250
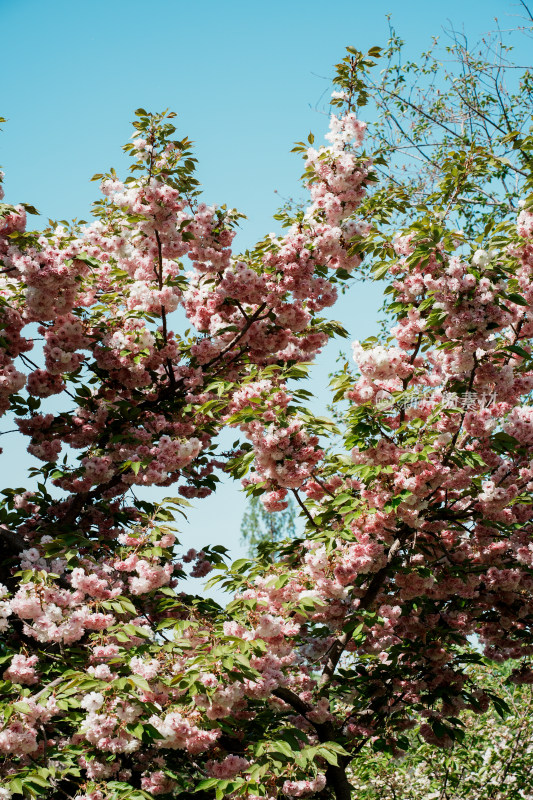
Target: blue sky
column 246, row 79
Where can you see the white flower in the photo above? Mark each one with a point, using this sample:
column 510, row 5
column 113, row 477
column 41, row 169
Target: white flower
column 93, row 701
column 31, row 555
column 310, row 593
column 481, row 258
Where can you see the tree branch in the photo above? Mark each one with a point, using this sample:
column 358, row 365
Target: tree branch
column 366, row 601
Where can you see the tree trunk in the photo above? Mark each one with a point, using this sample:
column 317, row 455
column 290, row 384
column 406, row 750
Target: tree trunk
column 337, row 780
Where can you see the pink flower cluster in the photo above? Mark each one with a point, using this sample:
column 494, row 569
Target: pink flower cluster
column 227, row 768
column 284, row 456
column 22, row 669
column 304, row 788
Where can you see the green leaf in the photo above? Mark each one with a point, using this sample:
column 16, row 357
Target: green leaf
column 22, row 707
column 140, row 682
column 514, row 348
column 284, row 748
column 209, row 783
column 517, row 298
column 240, row 565
column 30, row 209
column 15, row 786
column 330, row 757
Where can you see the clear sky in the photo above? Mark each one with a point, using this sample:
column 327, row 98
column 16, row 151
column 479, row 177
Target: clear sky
column 247, row 79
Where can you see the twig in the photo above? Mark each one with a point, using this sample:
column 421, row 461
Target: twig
column 303, row 507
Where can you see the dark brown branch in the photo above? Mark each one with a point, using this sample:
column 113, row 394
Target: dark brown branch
column 463, row 415
column 366, row 601
column 335, row 775
column 255, row 316
column 323, row 485
column 11, row 546
column 292, row 699
column 303, row 507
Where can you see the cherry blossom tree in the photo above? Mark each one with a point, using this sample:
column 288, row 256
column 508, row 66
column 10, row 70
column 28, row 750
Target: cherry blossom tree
column 92, row 611
column 117, row 684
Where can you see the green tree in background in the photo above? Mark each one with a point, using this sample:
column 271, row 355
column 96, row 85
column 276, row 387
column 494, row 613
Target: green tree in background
column 493, row 762
column 259, row 527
